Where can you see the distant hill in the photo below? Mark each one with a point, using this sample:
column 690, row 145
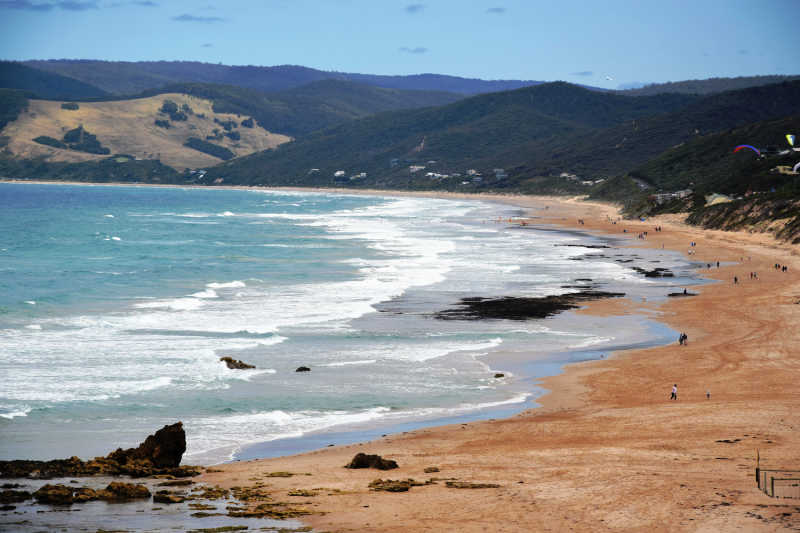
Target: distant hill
column 311, row 107
column 143, row 128
column 707, row 86
column 123, row 78
column 43, row 84
column 622, row 148
column 482, row 131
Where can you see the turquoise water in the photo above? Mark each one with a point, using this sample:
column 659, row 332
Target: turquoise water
column 116, row 304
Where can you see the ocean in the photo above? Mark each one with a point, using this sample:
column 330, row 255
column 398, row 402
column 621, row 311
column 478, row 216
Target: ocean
column 117, row 302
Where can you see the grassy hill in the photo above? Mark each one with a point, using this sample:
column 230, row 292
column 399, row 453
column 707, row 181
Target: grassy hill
column 311, row 107
column 121, row 77
column 43, row 84
column 130, row 127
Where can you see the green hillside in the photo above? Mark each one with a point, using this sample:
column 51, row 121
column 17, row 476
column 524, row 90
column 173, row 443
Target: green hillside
column 312, row 107
column 709, row 164
column 533, row 133
column 707, row 86
column 620, row 149
column 43, row 84
column 12, row 103
column 480, row 131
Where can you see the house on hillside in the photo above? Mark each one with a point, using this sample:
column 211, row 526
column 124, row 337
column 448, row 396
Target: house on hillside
column 415, row 168
column 665, row 197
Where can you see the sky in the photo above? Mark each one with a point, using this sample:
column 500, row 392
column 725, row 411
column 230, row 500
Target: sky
column 604, row 43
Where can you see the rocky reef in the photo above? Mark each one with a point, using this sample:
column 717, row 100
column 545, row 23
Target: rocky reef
column 521, row 308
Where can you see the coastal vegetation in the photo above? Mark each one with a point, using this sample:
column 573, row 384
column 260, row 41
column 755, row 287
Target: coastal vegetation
column 209, row 148
column 106, row 170
column 12, row 103
column 76, row 139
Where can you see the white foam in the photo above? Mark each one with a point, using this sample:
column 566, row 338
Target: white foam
column 115, row 239
column 16, row 414
column 176, row 304
column 228, row 285
column 350, row 363
column 30, row 302
column 34, row 326
column 109, row 216
column 208, row 293
column 217, row 439
column 591, row 342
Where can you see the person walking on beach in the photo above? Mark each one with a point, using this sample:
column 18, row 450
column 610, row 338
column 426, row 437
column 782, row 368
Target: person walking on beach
column 674, row 395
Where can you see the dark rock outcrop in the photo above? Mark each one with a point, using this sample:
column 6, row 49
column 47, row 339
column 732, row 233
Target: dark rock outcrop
column 394, row 485
column 468, row 485
column 54, row 494
column 521, row 308
column 655, row 273
column 165, row 496
column 14, row 496
column 235, row 364
column 303, row 369
column 362, row 460
column 117, row 491
column 164, row 449
column 159, row 454
column 114, row 492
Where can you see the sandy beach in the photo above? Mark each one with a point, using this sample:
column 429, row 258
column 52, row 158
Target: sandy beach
column 607, row 450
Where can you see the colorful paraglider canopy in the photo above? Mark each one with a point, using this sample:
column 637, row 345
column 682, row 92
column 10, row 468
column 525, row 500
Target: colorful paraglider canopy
column 743, row 146
column 790, row 138
column 794, row 168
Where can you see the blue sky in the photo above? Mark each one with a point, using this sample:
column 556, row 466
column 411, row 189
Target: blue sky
column 577, row 41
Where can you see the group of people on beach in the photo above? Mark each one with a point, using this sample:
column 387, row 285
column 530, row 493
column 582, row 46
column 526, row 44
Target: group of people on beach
column 782, row 268
column 683, row 339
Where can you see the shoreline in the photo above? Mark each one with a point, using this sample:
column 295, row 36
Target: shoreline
column 526, row 374
column 607, row 424
column 606, row 450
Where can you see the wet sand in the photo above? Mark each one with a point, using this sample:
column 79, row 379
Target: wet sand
column 607, row 450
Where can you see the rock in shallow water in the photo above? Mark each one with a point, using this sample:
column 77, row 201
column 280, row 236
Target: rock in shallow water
column 235, row 364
